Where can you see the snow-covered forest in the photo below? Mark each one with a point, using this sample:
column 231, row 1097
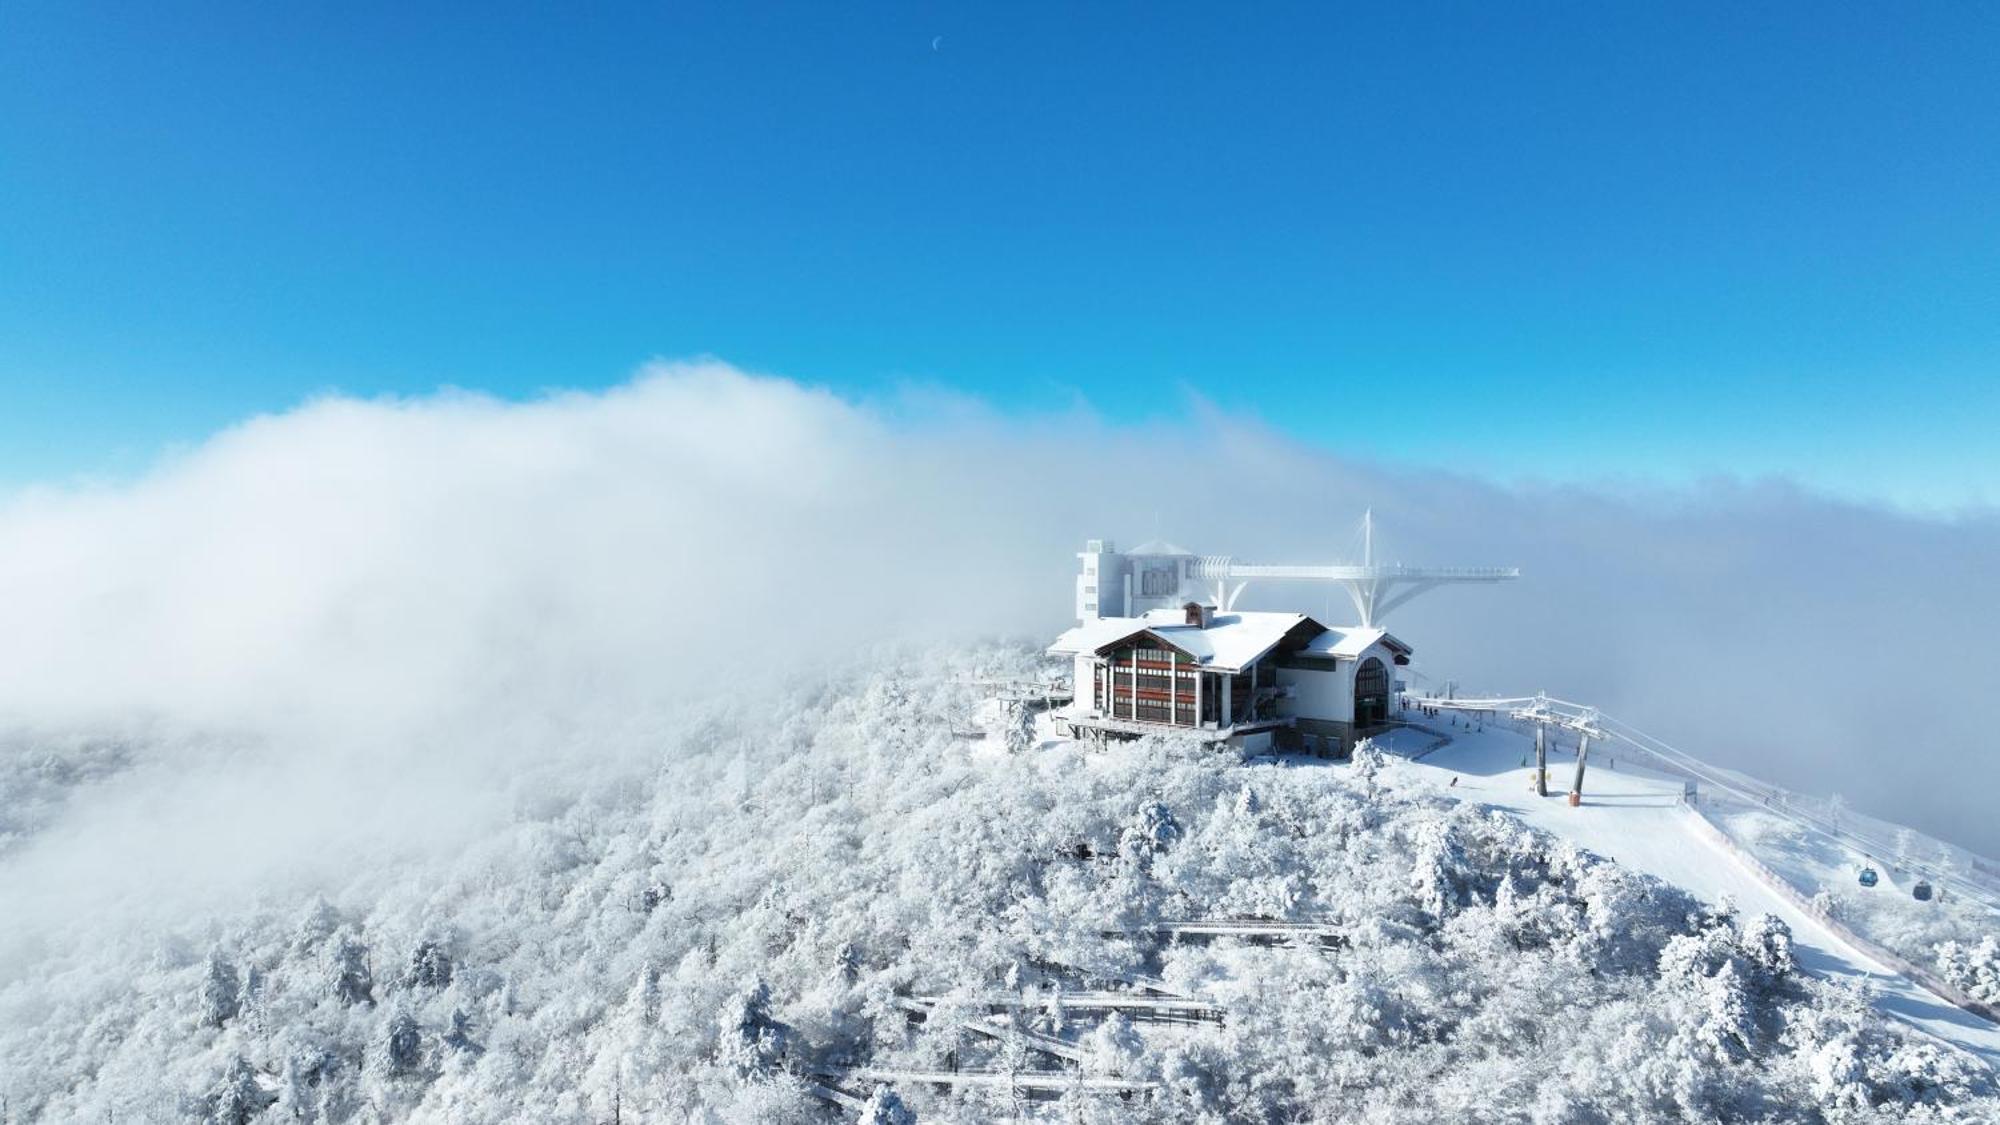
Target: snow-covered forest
column 753, row 910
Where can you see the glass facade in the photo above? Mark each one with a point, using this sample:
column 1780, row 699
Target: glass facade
column 1371, row 694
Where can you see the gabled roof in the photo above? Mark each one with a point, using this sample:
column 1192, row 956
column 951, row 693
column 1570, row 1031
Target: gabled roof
column 1231, row 643
column 1349, row 642
column 1158, row 547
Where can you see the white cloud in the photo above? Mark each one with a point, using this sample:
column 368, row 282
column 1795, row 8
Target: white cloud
column 351, row 629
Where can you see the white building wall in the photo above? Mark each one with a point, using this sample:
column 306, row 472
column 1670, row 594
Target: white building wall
column 1329, row 694
column 1084, row 685
column 1170, row 581
column 1318, row 694
column 1100, row 588
column 1105, row 575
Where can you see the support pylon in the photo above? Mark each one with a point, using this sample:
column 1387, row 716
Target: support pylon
column 1582, row 752
column 1541, row 760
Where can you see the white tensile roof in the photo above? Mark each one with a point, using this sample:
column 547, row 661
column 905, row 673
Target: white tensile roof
column 1232, row 641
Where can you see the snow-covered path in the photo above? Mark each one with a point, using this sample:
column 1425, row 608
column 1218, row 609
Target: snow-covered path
column 1636, row 818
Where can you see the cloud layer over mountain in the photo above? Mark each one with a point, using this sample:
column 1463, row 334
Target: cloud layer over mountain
column 353, row 629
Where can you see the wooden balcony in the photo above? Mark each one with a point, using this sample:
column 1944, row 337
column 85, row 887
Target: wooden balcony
column 1135, row 728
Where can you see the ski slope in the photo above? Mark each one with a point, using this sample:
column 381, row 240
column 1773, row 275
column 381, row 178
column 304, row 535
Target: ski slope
column 1636, row 818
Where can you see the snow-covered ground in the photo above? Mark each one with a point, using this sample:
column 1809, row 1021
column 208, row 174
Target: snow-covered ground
column 1636, row 817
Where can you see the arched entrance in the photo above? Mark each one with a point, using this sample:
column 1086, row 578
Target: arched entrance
column 1371, row 694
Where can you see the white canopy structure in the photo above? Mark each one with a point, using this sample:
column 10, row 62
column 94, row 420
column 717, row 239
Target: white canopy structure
column 1162, row 576
column 1374, row 588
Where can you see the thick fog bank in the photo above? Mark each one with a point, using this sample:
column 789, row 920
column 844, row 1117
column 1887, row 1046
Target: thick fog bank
column 365, row 628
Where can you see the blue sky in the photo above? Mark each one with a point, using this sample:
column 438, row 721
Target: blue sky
column 1576, row 241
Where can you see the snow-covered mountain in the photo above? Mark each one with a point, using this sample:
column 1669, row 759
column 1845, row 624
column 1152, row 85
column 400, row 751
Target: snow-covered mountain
column 868, row 900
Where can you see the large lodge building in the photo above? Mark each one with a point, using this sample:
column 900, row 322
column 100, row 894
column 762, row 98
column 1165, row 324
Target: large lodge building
column 1163, row 659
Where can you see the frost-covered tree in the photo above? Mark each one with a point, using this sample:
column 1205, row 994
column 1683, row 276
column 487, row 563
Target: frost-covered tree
column 1766, row 944
column 1018, row 728
column 312, row 1083
column 1972, row 968
column 1367, row 763
column 885, row 1107
column 1115, row 1048
column 1441, row 866
column 317, row 922
column 459, row 1038
column 656, row 892
column 430, row 965
column 220, row 996
column 749, row 1039
column 402, row 1046
column 1151, row 830
column 349, row 976
column 238, row 1095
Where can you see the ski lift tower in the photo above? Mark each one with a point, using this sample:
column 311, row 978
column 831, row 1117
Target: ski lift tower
column 1374, row 588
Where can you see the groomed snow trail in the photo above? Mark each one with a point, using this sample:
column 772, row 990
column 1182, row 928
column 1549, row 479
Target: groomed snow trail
column 1636, row 818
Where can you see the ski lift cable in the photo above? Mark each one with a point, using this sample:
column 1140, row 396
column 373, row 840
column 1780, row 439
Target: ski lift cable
column 1824, row 828
column 1845, row 835
column 1565, row 713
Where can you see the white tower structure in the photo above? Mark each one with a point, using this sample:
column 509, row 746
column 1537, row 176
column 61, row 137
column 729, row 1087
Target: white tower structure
column 1161, row 575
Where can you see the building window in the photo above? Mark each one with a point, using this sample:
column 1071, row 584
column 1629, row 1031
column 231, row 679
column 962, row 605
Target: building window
column 1157, row 581
column 1371, row 693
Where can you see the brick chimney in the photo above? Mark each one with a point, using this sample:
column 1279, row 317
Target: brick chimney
column 1198, row 615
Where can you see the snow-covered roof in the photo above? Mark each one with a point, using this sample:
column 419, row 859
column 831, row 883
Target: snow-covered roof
column 1158, row 547
column 1348, row 643
column 1232, row 641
